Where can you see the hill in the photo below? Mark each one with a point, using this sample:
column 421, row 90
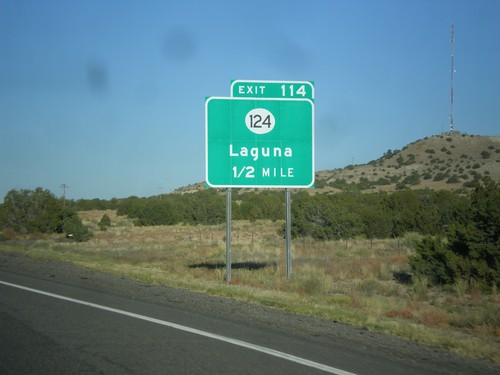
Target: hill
column 453, row 162
column 442, row 162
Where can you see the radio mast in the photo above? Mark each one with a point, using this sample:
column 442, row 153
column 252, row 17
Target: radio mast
column 64, row 187
column 452, row 75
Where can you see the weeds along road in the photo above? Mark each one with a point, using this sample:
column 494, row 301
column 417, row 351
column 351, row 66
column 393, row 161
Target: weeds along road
column 56, row 318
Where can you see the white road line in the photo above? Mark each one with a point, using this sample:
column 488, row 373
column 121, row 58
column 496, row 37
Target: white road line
column 258, row 348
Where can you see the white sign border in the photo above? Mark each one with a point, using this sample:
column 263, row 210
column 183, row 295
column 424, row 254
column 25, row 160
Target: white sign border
column 310, row 185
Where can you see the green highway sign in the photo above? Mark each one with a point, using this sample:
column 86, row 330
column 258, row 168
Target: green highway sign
column 259, row 142
column 272, row 89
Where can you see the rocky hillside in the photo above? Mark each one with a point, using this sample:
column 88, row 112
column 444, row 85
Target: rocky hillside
column 452, row 162
column 441, row 162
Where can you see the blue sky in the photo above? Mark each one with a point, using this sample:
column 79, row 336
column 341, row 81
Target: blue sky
column 108, row 97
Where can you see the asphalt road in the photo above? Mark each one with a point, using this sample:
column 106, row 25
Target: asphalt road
column 58, row 319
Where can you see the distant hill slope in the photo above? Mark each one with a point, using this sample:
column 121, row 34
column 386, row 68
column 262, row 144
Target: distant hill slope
column 441, row 162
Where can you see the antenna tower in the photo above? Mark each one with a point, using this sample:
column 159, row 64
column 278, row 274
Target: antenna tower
column 64, row 187
column 452, row 75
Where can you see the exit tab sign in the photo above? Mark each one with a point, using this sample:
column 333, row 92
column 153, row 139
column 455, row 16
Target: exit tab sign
column 272, row 89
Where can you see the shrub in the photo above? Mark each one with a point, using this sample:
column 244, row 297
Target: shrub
column 473, row 247
column 485, row 155
column 434, row 261
column 319, row 183
column 382, row 181
column 105, row 222
column 157, row 212
column 440, row 176
column 427, row 176
column 471, row 184
column 412, row 179
column 317, row 217
column 75, row 230
column 30, row 211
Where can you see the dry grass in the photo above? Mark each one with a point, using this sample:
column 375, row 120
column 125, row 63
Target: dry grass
column 348, row 281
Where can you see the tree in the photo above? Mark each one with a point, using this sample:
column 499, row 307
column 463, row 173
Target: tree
column 263, row 206
column 28, row 211
column 451, row 208
column 473, row 249
column 411, row 211
column 434, row 261
column 2, row 216
column 477, row 242
column 209, row 208
column 74, row 229
column 319, row 218
column 131, row 206
column 105, row 222
column 376, row 222
column 36, row 210
column 158, row 212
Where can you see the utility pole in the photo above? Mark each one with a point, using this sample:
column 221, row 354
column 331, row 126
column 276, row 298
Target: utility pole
column 452, row 75
column 64, row 187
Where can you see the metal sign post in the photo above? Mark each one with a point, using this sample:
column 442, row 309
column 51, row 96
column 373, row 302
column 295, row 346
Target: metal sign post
column 288, row 234
column 228, row 235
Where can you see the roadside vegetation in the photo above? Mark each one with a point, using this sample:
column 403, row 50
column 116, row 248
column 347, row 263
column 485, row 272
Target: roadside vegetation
column 372, row 246
column 393, row 284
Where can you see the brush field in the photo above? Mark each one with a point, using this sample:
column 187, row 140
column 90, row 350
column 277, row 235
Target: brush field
column 354, row 282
